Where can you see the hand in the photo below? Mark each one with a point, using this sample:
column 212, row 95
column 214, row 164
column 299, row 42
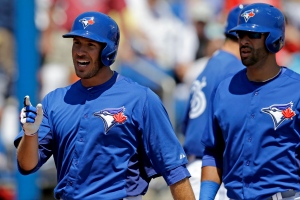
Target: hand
column 31, row 117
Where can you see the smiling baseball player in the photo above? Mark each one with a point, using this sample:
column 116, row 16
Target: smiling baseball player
column 108, row 135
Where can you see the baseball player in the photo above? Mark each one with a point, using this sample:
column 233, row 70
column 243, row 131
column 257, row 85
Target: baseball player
column 252, row 142
column 224, row 62
column 108, row 135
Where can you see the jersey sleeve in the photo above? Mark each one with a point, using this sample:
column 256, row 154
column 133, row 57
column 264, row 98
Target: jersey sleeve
column 159, row 139
column 212, row 139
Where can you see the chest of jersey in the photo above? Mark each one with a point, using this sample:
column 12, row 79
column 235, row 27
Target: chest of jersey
column 259, row 123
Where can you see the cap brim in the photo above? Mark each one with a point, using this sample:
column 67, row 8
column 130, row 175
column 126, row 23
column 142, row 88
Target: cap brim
column 85, row 34
column 248, row 27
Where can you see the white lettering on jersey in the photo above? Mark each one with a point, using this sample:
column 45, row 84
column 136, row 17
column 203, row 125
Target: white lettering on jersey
column 198, row 101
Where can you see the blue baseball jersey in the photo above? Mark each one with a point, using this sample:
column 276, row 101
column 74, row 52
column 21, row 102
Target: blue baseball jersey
column 254, row 135
column 108, row 141
column 220, row 65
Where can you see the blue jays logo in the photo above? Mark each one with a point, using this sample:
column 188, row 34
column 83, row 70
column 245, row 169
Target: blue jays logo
column 280, row 113
column 87, row 21
column 111, row 116
column 248, row 14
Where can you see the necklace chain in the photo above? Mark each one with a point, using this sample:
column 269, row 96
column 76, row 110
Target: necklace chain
column 272, row 77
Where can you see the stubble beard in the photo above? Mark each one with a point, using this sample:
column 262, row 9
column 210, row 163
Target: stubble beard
column 255, row 57
column 91, row 73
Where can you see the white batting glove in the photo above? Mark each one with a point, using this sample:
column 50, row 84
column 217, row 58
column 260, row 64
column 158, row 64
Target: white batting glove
column 31, row 117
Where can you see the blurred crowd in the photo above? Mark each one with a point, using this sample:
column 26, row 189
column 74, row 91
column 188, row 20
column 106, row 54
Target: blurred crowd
column 165, row 44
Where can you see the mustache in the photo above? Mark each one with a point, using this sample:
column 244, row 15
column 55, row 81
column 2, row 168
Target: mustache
column 80, row 56
column 243, row 47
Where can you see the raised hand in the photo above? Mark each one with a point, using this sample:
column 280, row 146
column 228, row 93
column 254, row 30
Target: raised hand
column 31, row 117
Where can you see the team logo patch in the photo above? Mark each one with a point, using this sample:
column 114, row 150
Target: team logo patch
column 248, row 14
column 87, row 21
column 280, row 113
column 111, row 116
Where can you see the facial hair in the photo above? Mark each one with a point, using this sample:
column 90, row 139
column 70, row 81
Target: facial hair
column 90, row 74
column 255, row 56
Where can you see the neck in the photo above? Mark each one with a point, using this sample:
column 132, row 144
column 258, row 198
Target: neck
column 263, row 75
column 231, row 47
column 101, row 77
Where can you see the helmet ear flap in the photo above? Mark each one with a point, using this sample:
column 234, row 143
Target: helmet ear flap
column 279, row 44
column 108, row 56
column 274, row 45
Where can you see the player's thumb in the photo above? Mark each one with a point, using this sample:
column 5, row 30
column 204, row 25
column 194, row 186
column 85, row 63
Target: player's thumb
column 27, row 101
column 39, row 114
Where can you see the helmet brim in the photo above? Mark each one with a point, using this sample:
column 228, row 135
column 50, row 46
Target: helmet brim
column 85, row 34
column 250, row 28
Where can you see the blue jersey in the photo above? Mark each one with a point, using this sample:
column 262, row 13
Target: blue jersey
column 218, row 67
column 108, row 141
column 255, row 127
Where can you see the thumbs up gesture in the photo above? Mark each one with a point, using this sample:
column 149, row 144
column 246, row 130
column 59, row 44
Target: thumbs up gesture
column 31, row 117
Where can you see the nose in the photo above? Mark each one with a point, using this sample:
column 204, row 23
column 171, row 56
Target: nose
column 79, row 50
column 244, row 40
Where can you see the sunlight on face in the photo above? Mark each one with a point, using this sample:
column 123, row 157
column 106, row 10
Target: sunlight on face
column 86, row 57
column 252, row 50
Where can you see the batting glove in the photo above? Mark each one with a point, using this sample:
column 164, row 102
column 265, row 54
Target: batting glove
column 31, row 117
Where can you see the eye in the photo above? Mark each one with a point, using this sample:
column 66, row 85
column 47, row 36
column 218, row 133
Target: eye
column 274, row 109
column 92, row 44
column 75, row 42
column 251, row 35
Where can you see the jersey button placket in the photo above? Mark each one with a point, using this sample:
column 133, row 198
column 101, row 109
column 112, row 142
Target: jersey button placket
column 249, row 137
column 248, row 163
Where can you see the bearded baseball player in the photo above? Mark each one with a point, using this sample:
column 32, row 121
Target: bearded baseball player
column 252, row 142
column 108, row 135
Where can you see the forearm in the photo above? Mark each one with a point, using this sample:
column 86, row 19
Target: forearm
column 210, row 182
column 27, row 152
column 182, row 190
column 210, row 173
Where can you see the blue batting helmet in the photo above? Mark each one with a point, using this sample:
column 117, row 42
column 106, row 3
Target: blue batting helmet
column 100, row 28
column 232, row 19
column 263, row 18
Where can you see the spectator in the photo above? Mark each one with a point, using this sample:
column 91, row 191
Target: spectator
column 8, row 74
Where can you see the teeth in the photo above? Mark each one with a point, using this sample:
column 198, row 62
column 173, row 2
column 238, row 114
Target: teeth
column 83, row 63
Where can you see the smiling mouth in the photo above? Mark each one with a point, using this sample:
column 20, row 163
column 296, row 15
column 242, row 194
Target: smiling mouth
column 83, row 63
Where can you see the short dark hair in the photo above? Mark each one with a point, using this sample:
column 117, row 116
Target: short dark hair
column 231, row 37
